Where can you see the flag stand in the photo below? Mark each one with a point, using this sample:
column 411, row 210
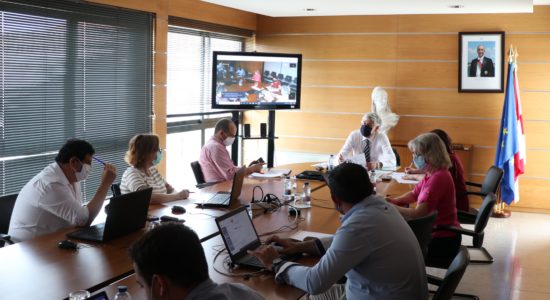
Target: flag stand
column 499, row 211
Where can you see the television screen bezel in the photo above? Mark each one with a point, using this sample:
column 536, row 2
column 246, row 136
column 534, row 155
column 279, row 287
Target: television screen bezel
column 279, row 106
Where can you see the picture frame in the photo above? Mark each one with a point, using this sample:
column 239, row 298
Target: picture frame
column 481, row 62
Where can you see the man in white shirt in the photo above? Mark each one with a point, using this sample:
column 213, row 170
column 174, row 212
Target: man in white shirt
column 371, row 143
column 52, row 200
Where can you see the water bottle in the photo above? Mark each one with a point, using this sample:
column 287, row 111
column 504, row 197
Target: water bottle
column 293, row 185
column 122, row 293
column 330, row 163
column 306, row 194
column 288, row 188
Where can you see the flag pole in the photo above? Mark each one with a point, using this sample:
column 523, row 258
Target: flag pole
column 499, row 210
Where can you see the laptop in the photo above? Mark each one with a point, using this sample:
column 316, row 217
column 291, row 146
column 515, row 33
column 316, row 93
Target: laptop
column 239, row 236
column 126, row 213
column 224, row 199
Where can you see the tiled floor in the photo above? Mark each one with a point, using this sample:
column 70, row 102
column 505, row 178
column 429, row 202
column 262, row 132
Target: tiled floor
column 520, row 246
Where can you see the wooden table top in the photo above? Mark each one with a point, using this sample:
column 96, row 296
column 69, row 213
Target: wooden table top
column 52, row 272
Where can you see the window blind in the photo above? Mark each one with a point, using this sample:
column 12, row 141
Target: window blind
column 70, row 70
column 189, row 63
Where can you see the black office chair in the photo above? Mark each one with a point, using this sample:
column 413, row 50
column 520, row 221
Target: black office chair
column 266, row 73
column 422, row 228
column 199, row 177
column 7, row 202
column 478, row 233
column 288, row 80
column 490, row 185
column 397, row 157
column 115, row 189
column 448, row 285
column 281, row 76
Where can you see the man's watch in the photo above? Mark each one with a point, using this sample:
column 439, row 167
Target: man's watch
column 275, row 263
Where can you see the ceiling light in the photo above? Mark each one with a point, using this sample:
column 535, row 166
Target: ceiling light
column 456, row 6
column 309, row 9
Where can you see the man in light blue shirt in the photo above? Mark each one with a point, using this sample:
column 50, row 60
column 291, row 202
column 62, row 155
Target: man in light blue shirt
column 374, row 247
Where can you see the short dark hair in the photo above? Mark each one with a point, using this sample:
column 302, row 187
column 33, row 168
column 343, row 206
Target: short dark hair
column 172, row 250
column 224, row 125
column 445, row 138
column 350, row 183
column 74, row 147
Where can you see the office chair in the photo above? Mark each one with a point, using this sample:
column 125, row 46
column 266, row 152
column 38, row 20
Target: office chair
column 115, row 189
column 288, row 80
column 478, row 233
column 449, row 283
column 281, row 76
column 266, row 73
column 199, row 177
column 7, row 202
column 422, row 228
column 397, row 157
column 490, row 185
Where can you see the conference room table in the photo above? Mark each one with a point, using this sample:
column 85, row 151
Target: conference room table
column 38, row 269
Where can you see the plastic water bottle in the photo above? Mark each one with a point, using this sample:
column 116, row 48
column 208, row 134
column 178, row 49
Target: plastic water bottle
column 122, row 293
column 330, row 163
column 288, row 188
column 306, row 193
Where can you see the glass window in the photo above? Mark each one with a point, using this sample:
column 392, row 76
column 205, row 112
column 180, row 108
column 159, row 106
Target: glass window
column 190, row 118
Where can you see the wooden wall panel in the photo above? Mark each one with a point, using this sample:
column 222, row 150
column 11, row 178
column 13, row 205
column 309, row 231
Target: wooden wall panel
column 348, row 73
column 316, row 125
column 537, row 22
column 309, row 145
column 338, row 99
column 428, row 47
column 427, row 74
column 439, row 102
column 417, row 59
column 340, row 24
column 333, row 46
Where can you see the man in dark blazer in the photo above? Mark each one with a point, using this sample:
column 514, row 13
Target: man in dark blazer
column 481, row 66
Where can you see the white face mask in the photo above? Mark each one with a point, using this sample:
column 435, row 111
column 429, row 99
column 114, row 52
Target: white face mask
column 228, row 141
column 84, row 172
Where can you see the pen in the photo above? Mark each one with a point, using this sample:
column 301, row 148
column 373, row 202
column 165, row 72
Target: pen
column 98, row 160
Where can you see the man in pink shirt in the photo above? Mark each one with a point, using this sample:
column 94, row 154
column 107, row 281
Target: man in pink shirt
column 214, row 159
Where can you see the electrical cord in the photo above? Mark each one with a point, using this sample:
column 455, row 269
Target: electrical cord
column 229, row 268
column 254, row 193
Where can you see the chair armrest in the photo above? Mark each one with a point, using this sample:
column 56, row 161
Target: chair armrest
column 434, row 280
column 6, row 238
column 473, row 183
column 454, row 229
column 466, row 217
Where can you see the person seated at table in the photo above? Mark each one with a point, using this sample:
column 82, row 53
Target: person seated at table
column 214, row 159
column 369, row 141
column 169, row 262
column 52, row 200
column 275, row 85
column 374, row 247
column 456, row 169
column 435, row 192
column 143, row 155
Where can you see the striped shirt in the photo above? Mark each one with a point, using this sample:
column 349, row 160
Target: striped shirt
column 135, row 179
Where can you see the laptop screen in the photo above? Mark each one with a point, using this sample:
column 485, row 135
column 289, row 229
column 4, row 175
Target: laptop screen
column 238, row 231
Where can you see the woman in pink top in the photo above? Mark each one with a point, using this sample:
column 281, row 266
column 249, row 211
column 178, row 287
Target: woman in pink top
column 456, row 169
column 434, row 192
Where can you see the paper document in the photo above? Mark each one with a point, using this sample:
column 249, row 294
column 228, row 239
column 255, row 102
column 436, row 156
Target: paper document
column 398, row 176
column 358, row 159
column 273, row 173
column 302, row 234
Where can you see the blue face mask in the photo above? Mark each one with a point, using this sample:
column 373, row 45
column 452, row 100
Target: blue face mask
column 158, row 158
column 419, row 161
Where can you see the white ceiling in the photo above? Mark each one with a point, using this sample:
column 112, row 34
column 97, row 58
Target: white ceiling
column 293, row 8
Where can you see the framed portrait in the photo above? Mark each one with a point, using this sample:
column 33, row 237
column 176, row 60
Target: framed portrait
column 481, row 62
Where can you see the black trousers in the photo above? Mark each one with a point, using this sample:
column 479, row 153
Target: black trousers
column 444, row 248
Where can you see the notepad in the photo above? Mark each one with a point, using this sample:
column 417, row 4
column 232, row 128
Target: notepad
column 398, row 176
column 273, row 173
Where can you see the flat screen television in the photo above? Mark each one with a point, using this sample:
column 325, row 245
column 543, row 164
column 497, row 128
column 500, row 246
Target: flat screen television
column 254, row 80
